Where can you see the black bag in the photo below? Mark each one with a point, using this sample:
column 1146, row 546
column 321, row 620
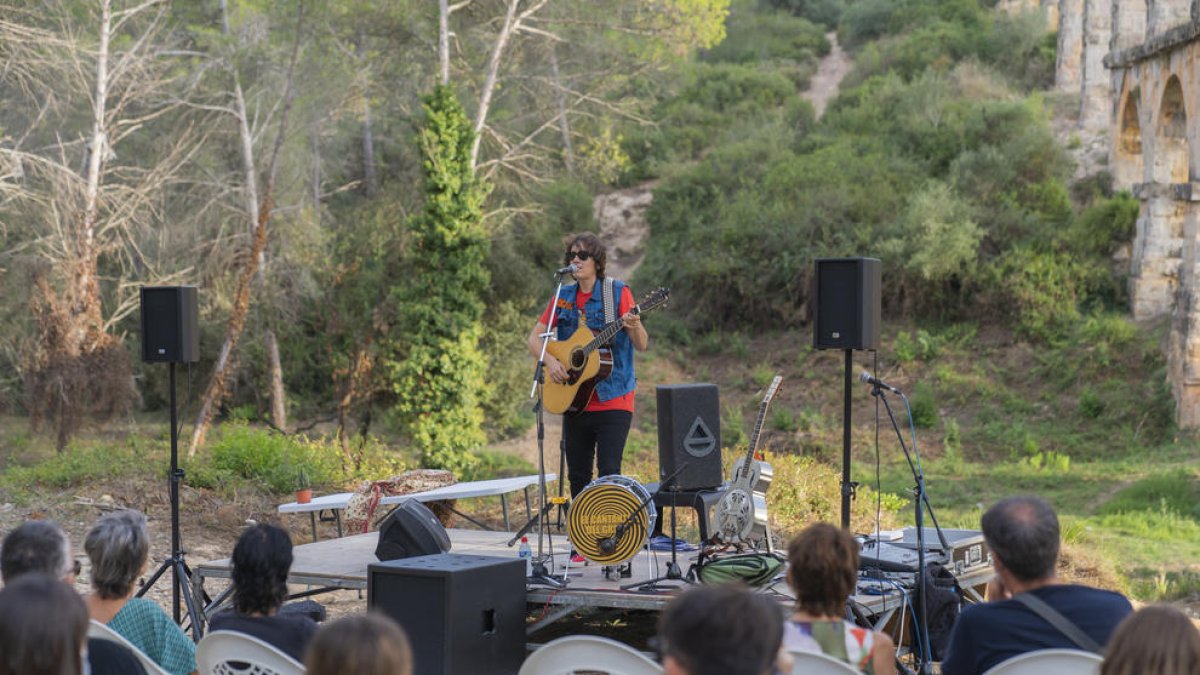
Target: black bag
column 943, row 597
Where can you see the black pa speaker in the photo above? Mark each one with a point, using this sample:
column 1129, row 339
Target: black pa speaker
column 170, row 331
column 689, row 433
column 464, row 614
column 410, row 530
column 847, row 310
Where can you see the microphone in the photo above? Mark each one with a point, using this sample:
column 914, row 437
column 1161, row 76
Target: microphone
column 608, row 545
column 569, row 269
column 867, row 378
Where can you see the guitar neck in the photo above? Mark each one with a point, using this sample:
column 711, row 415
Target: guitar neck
column 758, row 424
column 608, row 332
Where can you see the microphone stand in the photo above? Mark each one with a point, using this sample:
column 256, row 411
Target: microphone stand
column 538, row 572
column 925, row 664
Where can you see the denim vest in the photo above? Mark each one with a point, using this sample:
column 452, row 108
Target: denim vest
column 621, row 381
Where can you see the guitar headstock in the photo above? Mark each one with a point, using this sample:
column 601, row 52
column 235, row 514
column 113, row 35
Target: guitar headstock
column 773, row 389
column 654, row 299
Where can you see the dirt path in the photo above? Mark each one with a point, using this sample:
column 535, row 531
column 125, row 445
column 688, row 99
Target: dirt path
column 832, row 69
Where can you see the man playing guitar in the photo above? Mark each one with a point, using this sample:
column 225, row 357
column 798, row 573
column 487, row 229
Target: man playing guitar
column 600, row 430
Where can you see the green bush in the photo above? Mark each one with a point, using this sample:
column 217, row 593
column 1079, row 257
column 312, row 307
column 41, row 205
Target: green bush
column 768, row 37
column 272, row 458
column 924, row 407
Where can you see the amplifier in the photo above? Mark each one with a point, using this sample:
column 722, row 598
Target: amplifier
column 967, row 551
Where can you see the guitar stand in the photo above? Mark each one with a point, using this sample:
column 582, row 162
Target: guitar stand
column 673, row 571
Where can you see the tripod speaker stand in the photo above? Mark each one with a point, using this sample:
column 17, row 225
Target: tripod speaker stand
column 169, row 317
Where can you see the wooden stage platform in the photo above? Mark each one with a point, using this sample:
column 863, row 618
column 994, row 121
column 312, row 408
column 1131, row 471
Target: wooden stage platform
column 342, row 564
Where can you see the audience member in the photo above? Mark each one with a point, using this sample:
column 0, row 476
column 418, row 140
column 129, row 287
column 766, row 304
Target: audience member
column 363, row 644
column 261, row 560
column 119, row 549
column 1155, row 640
column 823, row 573
column 721, row 630
column 41, row 546
column 43, row 627
column 1023, row 536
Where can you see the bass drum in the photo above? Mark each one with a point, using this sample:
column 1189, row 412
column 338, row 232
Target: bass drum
column 597, row 512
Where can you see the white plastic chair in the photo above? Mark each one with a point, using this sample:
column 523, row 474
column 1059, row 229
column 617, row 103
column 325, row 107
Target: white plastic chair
column 220, row 648
column 102, row 632
column 1050, row 662
column 588, row 653
column 812, row 663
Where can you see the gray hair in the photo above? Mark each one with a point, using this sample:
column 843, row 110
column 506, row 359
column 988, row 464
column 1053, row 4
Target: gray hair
column 35, row 546
column 118, row 547
column 1023, row 533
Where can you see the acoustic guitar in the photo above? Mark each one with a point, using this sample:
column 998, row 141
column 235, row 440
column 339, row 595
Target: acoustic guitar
column 587, row 360
column 739, row 509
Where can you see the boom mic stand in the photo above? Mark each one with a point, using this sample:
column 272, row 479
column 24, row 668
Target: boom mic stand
column 539, row 574
column 925, row 665
column 673, row 571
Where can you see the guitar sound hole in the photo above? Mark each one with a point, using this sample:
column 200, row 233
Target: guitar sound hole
column 577, row 359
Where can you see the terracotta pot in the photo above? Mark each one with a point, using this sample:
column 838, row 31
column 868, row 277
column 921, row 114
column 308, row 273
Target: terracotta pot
column 304, row 496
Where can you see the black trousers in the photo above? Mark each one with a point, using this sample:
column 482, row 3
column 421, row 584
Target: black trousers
column 594, row 435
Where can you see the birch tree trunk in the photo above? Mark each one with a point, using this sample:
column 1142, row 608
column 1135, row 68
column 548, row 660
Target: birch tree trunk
column 278, row 396
column 368, row 140
column 260, row 212
column 444, row 41
column 560, row 101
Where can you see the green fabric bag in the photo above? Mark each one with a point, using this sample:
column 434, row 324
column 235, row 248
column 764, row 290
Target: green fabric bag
column 754, row 569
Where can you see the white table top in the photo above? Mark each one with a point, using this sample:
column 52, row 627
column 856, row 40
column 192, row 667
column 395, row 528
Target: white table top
column 479, row 488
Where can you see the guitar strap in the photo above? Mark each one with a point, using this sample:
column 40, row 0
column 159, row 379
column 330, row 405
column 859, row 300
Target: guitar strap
column 610, row 305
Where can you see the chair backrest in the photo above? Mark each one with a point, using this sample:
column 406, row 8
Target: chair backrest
column 1050, row 662
column 812, row 663
column 220, row 648
column 588, row 653
column 102, row 632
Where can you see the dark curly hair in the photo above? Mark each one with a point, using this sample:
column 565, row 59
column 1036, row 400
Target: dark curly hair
column 262, row 558
column 721, row 630
column 590, row 243
column 823, row 569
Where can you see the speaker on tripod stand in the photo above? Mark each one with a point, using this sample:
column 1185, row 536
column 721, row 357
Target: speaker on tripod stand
column 169, row 335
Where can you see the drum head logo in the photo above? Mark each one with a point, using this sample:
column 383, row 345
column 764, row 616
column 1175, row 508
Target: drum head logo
column 699, row 440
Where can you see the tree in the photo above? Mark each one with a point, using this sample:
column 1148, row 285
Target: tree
column 82, row 188
column 437, row 369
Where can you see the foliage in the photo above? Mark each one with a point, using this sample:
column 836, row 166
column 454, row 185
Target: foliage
column 827, row 13
column 806, row 491
column 437, row 372
column 274, row 459
column 769, row 38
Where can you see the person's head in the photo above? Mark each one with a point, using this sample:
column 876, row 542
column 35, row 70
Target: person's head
column 118, row 547
column 261, row 560
column 363, row 644
column 43, row 627
column 720, row 630
column 823, row 569
column 37, row 546
column 1156, row 639
column 1022, row 534
column 591, row 246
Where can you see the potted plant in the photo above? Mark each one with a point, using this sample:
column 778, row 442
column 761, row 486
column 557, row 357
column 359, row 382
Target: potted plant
column 303, row 489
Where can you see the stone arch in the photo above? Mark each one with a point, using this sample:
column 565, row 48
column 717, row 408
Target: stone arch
column 1170, row 157
column 1127, row 160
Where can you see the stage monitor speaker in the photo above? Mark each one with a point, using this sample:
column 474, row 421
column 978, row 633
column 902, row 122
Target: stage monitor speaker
column 689, row 432
column 464, row 614
column 410, row 530
column 846, row 315
column 170, row 325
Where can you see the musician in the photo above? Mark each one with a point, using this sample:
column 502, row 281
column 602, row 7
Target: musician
column 599, row 431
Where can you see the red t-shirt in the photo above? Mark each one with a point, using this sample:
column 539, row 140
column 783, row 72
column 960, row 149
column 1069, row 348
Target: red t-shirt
column 624, row 402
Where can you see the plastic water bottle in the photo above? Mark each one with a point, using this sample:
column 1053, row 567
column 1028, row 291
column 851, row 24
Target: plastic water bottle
column 523, row 551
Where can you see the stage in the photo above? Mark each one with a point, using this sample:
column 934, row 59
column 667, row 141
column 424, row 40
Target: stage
column 342, row 564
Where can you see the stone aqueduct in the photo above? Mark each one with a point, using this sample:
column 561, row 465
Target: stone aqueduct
column 1135, row 66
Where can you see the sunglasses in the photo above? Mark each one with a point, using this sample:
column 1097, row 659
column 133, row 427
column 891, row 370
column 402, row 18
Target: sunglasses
column 582, row 255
